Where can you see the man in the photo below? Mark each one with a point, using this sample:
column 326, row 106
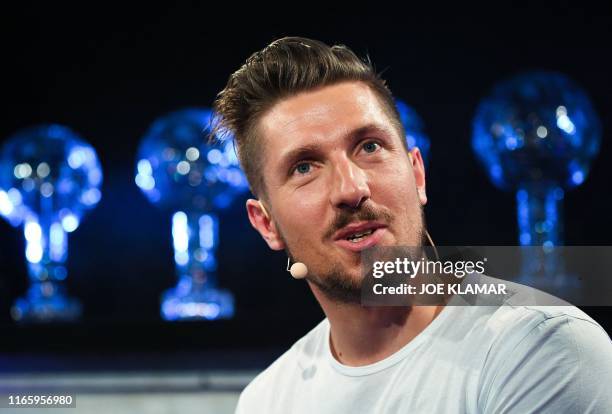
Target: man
column 320, row 140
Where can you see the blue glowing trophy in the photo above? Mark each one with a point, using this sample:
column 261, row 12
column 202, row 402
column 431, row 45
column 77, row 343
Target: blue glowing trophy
column 414, row 128
column 178, row 170
column 49, row 177
column 537, row 134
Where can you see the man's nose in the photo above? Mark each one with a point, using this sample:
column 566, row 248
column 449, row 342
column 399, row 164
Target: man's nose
column 349, row 185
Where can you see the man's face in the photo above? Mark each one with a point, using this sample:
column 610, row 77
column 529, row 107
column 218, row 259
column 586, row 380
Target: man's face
column 338, row 181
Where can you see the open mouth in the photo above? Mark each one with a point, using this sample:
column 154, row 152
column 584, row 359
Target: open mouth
column 359, row 236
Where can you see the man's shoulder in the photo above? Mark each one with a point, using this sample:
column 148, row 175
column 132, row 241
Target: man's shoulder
column 542, row 348
column 284, row 370
column 524, row 308
column 512, row 324
column 529, row 316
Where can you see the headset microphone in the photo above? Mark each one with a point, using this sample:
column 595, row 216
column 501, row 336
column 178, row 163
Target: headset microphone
column 298, row 270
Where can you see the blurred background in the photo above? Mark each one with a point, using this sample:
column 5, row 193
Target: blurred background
column 109, row 73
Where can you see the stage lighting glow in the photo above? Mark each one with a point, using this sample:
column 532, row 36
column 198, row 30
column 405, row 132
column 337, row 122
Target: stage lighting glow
column 70, row 223
column 214, row 156
column 207, row 232
column 511, row 143
column 95, row 178
column 91, row 197
column 22, row 170
column 180, row 231
column 43, row 169
column 542, row 132
column 32, row 231
column 183, row 167
column 6, row 206
column 57, row 240
column 14, row 196
column 46, row 189
column 181, row 258
column 578, row 177
column 34, row 251
column 414, row 129
column 192, row 154
column 145, row 182
column 144, row 168
column 49, row 178
column 176, row 310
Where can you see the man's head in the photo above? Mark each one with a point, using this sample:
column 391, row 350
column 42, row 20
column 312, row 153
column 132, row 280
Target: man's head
column 319, row 137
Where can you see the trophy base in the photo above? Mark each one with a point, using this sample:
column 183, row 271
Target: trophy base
column 55, row 308
column 208, row 304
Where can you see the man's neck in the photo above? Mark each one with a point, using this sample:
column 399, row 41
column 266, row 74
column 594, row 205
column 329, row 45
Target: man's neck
column 365, row 335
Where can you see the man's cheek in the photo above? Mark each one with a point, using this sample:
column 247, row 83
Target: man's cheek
column 399, row 192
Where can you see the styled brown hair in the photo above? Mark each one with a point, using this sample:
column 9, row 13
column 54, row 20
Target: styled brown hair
column 282, row 69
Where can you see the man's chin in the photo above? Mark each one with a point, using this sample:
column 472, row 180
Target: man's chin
column 340, row 287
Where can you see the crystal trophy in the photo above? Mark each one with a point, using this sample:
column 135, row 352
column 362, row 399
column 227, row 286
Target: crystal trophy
column 536, row 134
column 49, row 178
column 181, row 172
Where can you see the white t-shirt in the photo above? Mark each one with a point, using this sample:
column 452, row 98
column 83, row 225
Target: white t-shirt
column 470, row 359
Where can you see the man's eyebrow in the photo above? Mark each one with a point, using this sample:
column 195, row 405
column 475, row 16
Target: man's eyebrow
column 310, row 150
column 296, row 154
column 369, row 129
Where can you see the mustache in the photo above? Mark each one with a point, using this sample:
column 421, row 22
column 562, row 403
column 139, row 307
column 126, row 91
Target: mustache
column 365, row 213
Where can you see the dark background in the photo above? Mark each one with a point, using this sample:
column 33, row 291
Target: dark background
column 109, row 73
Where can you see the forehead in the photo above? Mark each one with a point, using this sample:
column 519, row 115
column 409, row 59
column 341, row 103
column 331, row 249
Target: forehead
column 322, row 113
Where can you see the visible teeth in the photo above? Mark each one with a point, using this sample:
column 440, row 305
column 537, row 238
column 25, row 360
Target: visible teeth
column 359, row 236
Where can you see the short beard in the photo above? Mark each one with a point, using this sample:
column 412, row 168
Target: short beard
column 337, row 285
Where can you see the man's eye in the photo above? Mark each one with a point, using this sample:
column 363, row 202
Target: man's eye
column 303, row 168
column 371, row 146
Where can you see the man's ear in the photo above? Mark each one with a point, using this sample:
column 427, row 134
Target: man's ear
column 262, row 222
column 418, row 167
